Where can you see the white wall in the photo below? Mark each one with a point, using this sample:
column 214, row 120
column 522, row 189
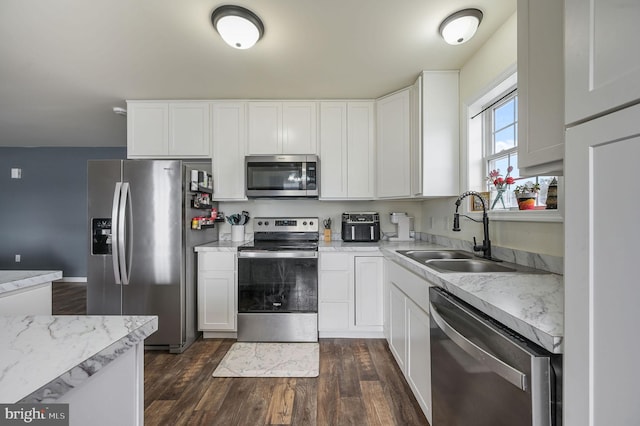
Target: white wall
column 497, row 55
column 321, row 209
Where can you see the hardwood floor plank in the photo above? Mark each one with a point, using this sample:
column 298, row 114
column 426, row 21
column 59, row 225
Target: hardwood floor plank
column 376, row 406
column 281, row 405
column 328, row 391
column 351, row 412
column 157, row 412
column 305, row 405
column 364, row 363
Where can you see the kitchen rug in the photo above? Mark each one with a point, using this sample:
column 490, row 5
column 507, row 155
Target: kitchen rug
column 248, row 359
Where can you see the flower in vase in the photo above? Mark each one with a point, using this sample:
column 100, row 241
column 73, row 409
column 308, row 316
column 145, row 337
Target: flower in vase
column 501, row 184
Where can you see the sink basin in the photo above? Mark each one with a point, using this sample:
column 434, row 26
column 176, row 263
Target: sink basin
column 467, row 265
column 425, row 255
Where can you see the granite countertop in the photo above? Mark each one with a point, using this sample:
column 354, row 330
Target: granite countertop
column 17, row 280
column 531, row 304
column 43, row 357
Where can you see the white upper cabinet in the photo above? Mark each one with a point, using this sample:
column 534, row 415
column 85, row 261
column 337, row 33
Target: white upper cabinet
column 229, row 142
column 282, row 128
column 602, row 61
column 160, row 129
column 393, row 145
column 435, row 131
column 347, row 150
column 540, row 87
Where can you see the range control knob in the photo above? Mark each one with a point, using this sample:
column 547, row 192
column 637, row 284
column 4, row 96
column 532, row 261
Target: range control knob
column 260, row 223
column 304, row 223
column 266, row 223
column 311, row 223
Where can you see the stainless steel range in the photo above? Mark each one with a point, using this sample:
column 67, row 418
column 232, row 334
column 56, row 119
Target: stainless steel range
column 278, row 281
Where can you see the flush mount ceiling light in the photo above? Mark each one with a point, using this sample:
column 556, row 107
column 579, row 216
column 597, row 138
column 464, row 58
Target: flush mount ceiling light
column 461, row 26
column 238, row 27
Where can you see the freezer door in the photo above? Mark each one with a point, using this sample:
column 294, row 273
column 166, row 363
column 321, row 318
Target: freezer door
column 104, row 296
column 153, row 246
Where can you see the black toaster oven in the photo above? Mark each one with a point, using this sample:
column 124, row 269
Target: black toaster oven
column 361, row 226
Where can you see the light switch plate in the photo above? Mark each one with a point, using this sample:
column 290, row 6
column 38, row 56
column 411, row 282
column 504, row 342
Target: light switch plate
column 16, row 173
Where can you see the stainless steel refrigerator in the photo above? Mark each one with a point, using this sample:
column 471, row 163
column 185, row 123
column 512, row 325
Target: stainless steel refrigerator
column 141, row 258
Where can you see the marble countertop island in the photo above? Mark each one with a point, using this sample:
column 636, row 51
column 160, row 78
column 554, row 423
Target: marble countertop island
column 44, row 357
column 17, row 280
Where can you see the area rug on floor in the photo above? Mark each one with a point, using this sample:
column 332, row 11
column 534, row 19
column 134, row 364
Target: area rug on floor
column 246, row 359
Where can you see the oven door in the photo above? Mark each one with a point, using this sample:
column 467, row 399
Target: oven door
column 278, row 296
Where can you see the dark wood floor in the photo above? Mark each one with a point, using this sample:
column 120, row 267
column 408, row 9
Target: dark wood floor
column 359, row 384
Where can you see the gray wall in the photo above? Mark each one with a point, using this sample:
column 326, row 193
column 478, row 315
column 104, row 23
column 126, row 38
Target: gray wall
column 43, row 216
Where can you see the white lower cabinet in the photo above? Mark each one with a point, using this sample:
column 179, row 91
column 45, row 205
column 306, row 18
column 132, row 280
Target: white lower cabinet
column 350, row 295
column 217, row 300
column 408, row 330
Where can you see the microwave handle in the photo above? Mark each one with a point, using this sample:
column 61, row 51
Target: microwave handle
column 304, row 175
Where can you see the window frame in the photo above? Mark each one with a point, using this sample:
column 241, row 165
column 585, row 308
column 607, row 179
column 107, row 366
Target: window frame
column 474, row 107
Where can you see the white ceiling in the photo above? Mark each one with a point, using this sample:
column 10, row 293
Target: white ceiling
column 64, row 64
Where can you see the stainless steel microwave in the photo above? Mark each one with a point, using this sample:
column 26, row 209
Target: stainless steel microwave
column 276, row 176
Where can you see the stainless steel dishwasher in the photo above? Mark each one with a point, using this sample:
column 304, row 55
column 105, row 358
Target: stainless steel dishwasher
column 485, row 374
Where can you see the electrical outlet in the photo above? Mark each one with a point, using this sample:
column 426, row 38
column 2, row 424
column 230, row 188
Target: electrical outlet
column 430, row 222
column 16, row 173
column 17, row 258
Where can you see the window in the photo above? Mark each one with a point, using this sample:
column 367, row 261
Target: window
column 500, row 145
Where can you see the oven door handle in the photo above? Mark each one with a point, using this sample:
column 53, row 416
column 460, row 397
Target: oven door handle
column 507, row 372
column 271, row 254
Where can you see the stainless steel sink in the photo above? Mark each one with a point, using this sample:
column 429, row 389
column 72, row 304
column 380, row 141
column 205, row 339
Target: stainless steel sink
column 467, row 265
column 425, row 255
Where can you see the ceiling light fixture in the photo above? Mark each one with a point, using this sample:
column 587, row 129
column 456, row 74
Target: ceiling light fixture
column 238, row 27
column 461, row 26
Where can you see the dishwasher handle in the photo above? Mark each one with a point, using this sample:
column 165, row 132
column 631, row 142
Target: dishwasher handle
column 507, row 372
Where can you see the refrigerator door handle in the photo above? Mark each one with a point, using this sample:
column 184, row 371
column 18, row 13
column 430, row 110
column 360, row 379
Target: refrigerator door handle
column 115, row 226
column 125, row 264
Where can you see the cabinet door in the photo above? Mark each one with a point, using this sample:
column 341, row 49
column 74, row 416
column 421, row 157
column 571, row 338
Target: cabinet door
column 217, row 300
column 335, row 280
column 601, row 274
column 397, row 326
column 602, row 62
column 419, row 356
column 299, row 132
column 540, row 87
column 147, row 129
column 189, row 129
column 229, row 138
column 369, row 275
column 360, row 150
column 264, row 128
column 333, row 150
column 440, row 151
column 393, row 150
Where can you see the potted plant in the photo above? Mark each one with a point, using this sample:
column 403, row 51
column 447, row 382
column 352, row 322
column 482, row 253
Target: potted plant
column 526, row 195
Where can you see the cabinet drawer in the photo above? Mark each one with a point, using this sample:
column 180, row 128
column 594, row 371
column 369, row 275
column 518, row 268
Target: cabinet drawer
column 216, row 261
column 335, row 262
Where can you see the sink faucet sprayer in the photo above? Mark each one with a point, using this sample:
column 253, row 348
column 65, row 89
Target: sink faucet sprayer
column 486, row 243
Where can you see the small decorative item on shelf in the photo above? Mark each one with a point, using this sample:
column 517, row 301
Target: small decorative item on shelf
column 552, row 195
column 501, row 184
column 526, row 195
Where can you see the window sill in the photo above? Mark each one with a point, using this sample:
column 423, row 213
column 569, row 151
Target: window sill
column 521, row 215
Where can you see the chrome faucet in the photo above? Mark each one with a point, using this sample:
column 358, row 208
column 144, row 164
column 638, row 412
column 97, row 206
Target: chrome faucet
column 486, row 242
